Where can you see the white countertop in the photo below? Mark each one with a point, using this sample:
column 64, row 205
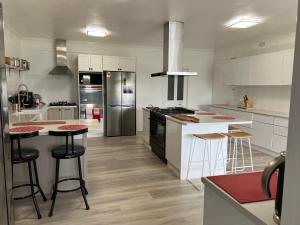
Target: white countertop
column 93, row 125
column 208, row 119
column 254, row 110
column 260, row 212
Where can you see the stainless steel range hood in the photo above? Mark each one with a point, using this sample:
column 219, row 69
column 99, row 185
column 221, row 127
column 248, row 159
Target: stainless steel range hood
column 61, row 67
column 173, row 51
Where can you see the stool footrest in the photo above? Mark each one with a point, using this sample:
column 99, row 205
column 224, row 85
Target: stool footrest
column 26, row 196
column 68, row 179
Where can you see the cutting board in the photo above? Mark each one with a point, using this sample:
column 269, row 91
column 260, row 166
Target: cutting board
column 52, row 122
column 186, row 118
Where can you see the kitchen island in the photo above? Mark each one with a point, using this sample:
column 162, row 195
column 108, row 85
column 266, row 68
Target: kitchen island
column 46, row 164
column 179, row 136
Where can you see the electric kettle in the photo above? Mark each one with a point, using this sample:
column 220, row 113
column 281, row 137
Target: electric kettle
column 277, row 163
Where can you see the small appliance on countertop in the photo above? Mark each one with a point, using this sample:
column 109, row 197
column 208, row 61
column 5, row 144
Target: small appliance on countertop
column 62, row 103
column 277, row 164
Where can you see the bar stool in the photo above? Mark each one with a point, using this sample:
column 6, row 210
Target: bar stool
column 231, row 129
column 68, row 151
column 240, row 136
column 27, row 155
column 206, row 156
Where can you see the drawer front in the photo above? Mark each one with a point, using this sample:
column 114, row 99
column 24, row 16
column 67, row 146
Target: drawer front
column 279, row 143
column 263, row 119
column 243, row 116
column 262, row 135
column 282, row 122
column 282, row 131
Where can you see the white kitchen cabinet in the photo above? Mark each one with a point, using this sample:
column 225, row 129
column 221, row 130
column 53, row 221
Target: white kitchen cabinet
column 263, row 118
column 241, row 69
column 59, row 113
column 275, row 68
column 146, row 127
column 111, row 63
column 53, row 114
column 127, row 64
column 267, row 69
column 282, row 122
column 288, row 62
column 116, row 63
column 279, row 143
column 91, row 63
column 262, row 134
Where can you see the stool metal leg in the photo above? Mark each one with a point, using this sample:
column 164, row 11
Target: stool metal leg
column 250, row 151
column 37, row 181
column 32, row 192
column 243, row 156
column 82, row 186
column 55, row 187
column 192, row 149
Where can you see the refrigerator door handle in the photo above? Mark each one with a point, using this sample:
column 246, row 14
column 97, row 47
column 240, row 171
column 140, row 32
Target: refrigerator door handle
column 127, row 106
column 115, row 105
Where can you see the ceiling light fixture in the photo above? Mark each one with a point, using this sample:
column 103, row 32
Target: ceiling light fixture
column 97, row 33
column 243, row 23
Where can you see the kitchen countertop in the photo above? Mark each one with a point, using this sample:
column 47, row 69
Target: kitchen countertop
column 93, row 125
column 260, row 212
column 254, row 110
column 61, row 106
column 208, row 119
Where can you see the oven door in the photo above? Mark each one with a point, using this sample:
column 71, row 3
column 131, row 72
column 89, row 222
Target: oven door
column 91, row 95
column 158, row 137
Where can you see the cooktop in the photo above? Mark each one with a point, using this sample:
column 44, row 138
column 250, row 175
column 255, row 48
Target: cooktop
column 62, row 103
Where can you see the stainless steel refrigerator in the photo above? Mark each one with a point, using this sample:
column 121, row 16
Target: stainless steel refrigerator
column 120, row 103
column 5, row 153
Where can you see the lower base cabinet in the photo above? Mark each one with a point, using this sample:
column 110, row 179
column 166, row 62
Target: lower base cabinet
column 61, row 113
column 268, row 132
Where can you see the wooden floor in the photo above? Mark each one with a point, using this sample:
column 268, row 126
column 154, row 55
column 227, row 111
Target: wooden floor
column 127, row 185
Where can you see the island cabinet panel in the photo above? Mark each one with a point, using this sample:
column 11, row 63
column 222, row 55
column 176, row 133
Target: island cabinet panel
column 146, row 127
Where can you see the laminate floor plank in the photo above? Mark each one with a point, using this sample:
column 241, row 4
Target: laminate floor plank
column 128, row 185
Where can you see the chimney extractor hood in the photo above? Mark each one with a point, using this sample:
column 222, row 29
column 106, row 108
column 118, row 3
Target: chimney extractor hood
column 61, row 67
column 173, row 51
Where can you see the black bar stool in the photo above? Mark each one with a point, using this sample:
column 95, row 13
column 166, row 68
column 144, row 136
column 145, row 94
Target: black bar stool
column 68, row 151
column 27, row 155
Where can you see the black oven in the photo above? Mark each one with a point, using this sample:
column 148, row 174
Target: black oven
column 90, row 79
column 158, row 135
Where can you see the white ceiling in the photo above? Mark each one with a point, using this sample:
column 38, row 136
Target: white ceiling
column 140, row 21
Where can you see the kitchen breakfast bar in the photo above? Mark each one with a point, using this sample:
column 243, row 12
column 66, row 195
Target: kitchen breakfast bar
column 179, row 143
column 45, row 163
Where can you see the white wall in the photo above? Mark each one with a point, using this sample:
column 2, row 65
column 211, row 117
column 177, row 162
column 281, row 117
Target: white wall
column 40, row 52
column 276, row 98
column 12, row 43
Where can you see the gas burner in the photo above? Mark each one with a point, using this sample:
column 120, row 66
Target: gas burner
column 62, row 103
column 172, row 110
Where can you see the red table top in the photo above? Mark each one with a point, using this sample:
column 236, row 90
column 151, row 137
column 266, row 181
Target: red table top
column 245, row 188
column 72, row 127
column 25, row 129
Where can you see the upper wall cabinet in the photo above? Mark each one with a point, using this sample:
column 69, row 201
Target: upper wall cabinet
column 274, row 68
column 91, row 63
column 116, row 63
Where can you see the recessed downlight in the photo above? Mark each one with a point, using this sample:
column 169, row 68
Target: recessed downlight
column 242, row 24
column 97, row 32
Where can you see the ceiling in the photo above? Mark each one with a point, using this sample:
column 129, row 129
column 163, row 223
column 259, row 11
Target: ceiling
column 139, row 22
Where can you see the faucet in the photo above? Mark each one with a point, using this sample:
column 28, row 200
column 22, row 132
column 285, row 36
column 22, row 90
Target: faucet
column 19, row 98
